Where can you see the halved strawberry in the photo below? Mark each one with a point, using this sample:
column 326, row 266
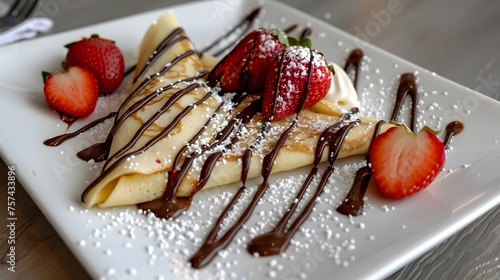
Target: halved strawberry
column 245, row 68
column 74, row 92
column 102, row 57
column 404, row 163
column 294, row 69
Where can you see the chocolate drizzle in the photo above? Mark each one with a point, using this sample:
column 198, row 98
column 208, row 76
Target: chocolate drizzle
column 278, row 239
column 170, row 206
column 354, row 201
column 290, row 28
column 171, row 101
column 235, row 124
column 452, row 129
column 175, row 36
column 211, row 246
column 69, row 120
column 130, row 70
column 142, row 102
column 352, row 63
column 58, row 140
column 97, row 152
column 305, row 33
column 246, row 21
column 406, row 87
column 151, row 142
column 100, row 151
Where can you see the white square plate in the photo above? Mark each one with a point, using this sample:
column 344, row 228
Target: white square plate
column 122, row 244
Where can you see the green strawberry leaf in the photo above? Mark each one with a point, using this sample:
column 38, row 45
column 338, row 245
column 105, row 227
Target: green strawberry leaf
column 281, row 36
column 305, row 42
column 408, row 130
column 284, row 39
column 433, row 131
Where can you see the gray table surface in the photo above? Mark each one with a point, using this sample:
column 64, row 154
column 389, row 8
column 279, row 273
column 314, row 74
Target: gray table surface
column 457, row 39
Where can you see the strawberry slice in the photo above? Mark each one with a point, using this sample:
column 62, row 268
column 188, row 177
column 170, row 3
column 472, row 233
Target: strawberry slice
column 294, row 69
column 404, row 163
column 102, row 57
column 74, row 92
column 245, row 68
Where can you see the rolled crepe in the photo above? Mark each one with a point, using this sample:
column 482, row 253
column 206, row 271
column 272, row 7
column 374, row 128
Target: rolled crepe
column 142, row 177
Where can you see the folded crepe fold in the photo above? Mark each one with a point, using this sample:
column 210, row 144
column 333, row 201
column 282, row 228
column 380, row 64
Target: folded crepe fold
column 143, row 177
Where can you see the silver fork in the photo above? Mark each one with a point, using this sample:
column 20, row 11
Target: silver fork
column 19, row 11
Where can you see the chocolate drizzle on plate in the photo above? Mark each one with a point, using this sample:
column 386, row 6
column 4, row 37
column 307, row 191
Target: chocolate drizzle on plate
column 69, row 120
column 130, row 70
column 58, row 140
column 452, row 129
column 354, row 201
column 306, row 33
column 290, row 28
column 406, row 87
column 352, row 63
column 247, row 22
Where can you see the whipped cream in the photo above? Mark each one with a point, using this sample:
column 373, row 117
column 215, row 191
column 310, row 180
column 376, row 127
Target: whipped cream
column 342, row 92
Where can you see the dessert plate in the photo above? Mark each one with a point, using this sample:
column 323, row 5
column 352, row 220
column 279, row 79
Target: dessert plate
column 121, row 243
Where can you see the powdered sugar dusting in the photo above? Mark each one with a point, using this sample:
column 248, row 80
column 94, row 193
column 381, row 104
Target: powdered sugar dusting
column 268, row 47
column 170, row 243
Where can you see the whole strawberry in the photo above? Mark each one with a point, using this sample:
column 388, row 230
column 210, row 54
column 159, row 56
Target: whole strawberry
column 404, row 163
column 297, row 73
column 102, row 57
column 245, row 68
